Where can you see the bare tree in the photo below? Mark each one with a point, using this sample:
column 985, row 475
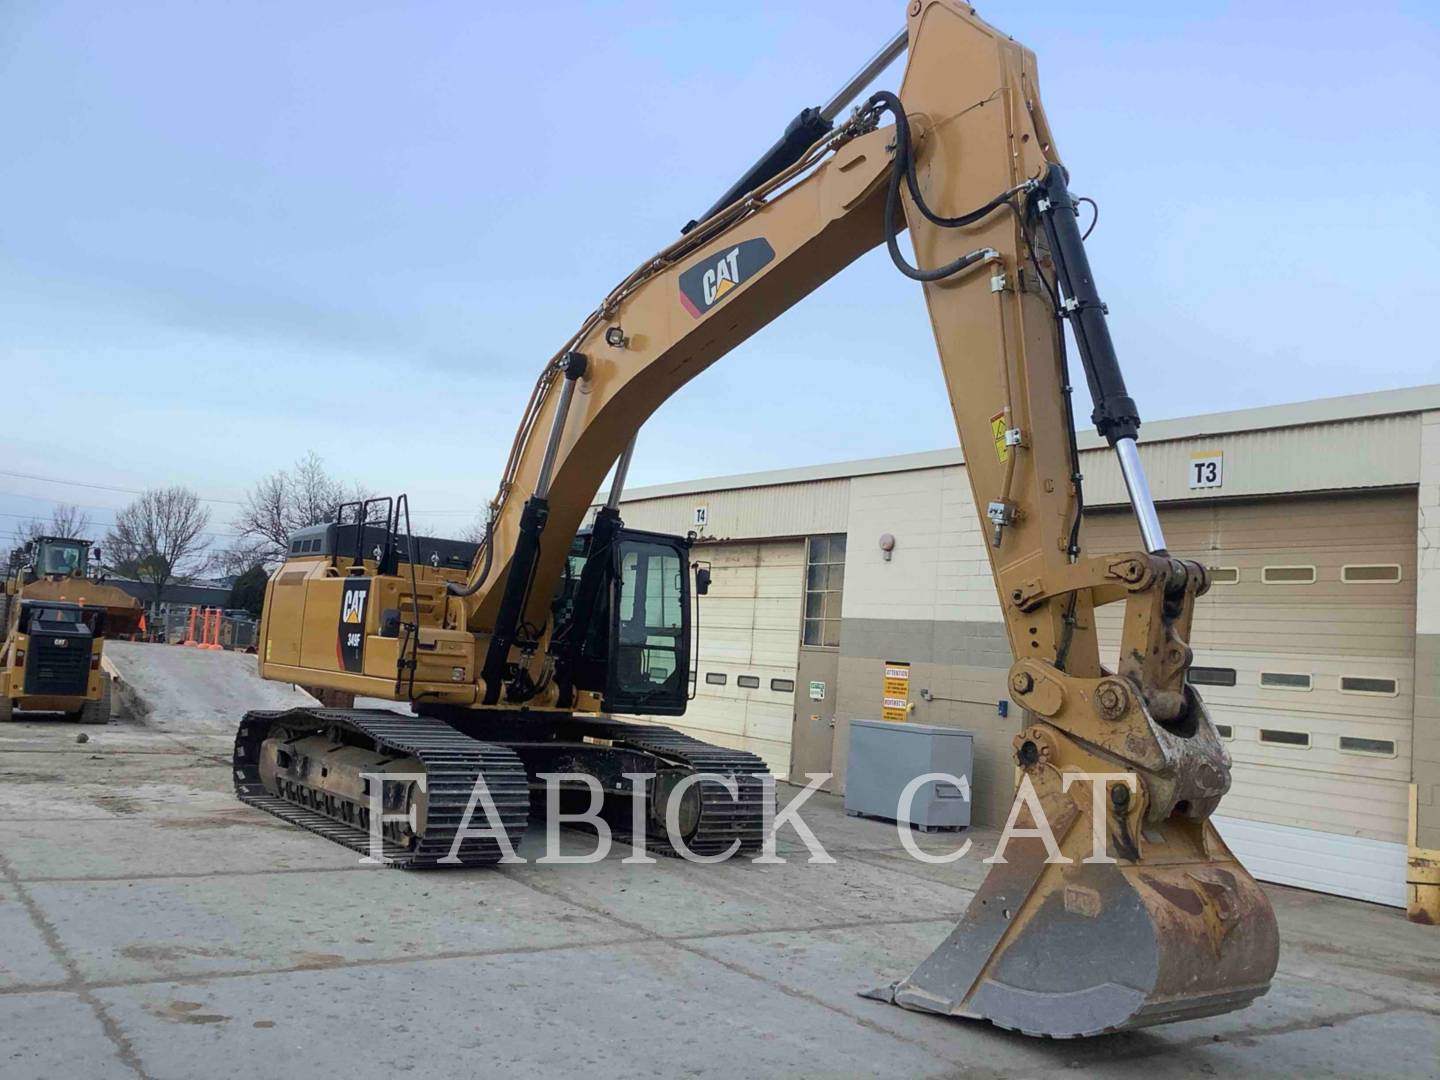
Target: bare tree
column 285, row 502
column 67, row 521
column 477, row 530
column 159, row 538
column 230, row 562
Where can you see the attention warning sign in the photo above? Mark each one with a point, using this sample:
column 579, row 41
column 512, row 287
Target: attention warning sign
column 895, row 704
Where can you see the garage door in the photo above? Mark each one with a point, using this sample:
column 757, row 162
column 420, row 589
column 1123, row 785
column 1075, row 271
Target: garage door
column 1304, row 651
column 749, row 645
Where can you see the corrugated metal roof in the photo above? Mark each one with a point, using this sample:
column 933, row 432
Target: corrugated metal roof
column 1324, row 411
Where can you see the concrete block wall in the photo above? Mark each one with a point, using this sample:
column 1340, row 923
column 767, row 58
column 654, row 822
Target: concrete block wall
column 933, row 605
column 1426, row 764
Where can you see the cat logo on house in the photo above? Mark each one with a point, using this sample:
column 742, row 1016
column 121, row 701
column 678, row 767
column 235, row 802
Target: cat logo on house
column 350, row 643
column 352, row 610
column 721, row 273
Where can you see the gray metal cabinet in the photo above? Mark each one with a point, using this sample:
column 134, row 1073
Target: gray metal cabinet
column 885, row 757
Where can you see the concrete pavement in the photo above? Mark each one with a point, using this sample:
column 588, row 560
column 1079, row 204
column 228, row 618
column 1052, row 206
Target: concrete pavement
column 152, row 926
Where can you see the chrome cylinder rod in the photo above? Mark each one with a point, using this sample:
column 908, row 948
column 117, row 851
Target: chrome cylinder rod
column 862, row 78
column 622, row 468
column 1140, row 499
column 574, row 369
column 802, row 133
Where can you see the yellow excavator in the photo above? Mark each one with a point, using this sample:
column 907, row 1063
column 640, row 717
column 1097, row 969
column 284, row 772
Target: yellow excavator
column 516, row 656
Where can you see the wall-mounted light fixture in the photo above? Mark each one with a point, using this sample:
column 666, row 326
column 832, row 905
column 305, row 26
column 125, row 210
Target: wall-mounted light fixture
column 887, row 545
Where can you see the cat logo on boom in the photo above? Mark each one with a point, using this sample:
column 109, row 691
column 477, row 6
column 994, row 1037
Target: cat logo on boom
column 716, row 283
column 719, row 274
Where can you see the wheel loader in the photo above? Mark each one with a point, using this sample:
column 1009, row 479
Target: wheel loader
column 56, row 617
column 520, row 656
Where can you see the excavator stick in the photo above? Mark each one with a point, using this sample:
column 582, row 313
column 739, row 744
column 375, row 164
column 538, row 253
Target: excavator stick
column 1114, row 904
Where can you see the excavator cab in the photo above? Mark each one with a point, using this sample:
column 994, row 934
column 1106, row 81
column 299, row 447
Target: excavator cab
column 622, row 619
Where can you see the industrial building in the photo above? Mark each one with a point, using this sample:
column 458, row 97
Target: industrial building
column 1317, row 647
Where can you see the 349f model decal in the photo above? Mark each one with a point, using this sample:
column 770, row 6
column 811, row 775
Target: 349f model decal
column 351, row 643
column 718, row 275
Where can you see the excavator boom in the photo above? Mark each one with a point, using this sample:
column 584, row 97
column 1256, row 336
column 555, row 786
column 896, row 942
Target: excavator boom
column 1122, row 906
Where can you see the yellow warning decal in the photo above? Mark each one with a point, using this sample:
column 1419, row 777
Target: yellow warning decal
column 998, row 429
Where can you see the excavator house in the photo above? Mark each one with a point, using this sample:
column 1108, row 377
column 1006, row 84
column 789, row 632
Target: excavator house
column 522, row 655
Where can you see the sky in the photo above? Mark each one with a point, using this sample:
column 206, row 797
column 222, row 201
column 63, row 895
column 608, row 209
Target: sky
column 234, row 233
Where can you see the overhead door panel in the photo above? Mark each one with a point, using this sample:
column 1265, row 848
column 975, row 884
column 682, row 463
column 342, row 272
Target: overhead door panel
column 749, row 644
column 1304, row 653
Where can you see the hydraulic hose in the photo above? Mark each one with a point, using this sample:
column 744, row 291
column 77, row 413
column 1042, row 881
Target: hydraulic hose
column 904, row 166
column 452, row 589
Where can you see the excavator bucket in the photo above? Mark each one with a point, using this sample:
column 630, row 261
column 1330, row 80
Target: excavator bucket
column 1076, row 948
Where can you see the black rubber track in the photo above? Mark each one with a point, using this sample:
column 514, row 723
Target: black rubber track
column 453, row 762
column 723, row 819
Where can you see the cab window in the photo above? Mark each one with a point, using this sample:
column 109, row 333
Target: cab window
column 62, row 558
column 649, row 648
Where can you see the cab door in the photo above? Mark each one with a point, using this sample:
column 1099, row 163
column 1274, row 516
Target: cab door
column 649, row 647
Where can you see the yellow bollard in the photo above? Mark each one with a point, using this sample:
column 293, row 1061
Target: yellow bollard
column 1422, row 878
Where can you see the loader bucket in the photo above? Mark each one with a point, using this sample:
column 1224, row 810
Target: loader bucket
column 1083, row 949
column 122, row 611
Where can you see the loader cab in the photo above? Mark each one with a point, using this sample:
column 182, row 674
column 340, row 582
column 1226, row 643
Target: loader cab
column 55, row 557
column 622, row 620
